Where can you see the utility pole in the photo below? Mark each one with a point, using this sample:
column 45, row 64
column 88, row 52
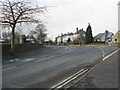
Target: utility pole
column 1, row 36
column 119, row 16
column 21, row 33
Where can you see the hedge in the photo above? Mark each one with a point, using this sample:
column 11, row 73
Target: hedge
column 19, row 48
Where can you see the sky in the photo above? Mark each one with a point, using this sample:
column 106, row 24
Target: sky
column 64, row 16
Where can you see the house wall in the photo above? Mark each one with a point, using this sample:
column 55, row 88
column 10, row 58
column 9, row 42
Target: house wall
column 110, row 34
column 116, row 38
column 65, row 39
column 58, row 40
column 102, row 39
column 73, row 37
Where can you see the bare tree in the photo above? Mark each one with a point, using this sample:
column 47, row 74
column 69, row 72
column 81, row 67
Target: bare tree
column 41, row 29
column 18, row 11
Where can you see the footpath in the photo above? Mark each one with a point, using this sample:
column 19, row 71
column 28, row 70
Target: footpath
column 105, row 75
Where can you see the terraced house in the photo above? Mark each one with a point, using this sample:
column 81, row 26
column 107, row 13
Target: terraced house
column 75, row 38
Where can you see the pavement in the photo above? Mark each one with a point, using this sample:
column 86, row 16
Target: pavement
column 105, row 75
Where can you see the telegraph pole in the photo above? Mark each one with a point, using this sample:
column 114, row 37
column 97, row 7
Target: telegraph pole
column 119, row 16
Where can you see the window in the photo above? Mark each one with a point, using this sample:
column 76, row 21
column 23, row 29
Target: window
column 115, row 39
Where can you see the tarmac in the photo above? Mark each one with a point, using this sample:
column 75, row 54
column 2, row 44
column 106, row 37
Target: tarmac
column 105, row 75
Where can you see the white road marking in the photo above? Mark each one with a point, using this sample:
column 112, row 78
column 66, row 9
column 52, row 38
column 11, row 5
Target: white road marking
column 102, row 51
column 69, row 79
column 110, row 54
column 66, row 79
column 46, row 58
column 29, row 59
column 67, row 49
column 9, row 68
column 106, row 57
column 12, row 60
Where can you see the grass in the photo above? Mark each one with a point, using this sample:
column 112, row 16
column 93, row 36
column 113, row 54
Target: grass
column 93, row 44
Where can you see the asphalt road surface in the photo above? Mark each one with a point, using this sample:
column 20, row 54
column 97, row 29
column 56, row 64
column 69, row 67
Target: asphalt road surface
column 48, row 66
column 104, row 75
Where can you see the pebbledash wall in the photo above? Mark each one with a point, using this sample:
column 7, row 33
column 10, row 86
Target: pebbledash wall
column 20, row 48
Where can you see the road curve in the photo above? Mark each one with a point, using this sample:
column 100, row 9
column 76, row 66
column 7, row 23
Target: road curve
column 45, row 67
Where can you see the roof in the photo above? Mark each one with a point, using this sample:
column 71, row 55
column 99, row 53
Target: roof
column 98, row 36
column 80, row 31
column 101, row 35
column 116, row 35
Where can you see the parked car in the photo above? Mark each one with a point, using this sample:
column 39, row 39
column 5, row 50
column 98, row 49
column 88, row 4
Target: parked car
column 2, row 40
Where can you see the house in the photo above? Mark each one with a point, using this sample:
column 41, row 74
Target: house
column 103, row 37
column 81, row 34
column 75, row 38
column 70, row 36
column 116, row 38
column 99, row 37
column 58, row 40
column 64, row 38
column 5, row 37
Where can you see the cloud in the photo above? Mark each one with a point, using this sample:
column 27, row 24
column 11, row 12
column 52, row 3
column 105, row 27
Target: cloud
column 69, row 14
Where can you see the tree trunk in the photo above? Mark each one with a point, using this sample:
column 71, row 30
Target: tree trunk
column 41, row 37
column 13, row 40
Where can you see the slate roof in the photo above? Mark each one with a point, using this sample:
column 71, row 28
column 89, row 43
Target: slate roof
column 80, row 31
column 98, row 36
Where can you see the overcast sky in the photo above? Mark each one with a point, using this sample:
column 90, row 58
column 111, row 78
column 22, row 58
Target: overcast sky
column 65, row 15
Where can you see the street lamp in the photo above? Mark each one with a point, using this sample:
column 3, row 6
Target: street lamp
column 1, row 28
column 119, row 16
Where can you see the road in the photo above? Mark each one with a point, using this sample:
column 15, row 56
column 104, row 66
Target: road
column 50, row 65
column 104, row 75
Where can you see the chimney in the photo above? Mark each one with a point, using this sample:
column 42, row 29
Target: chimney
column 77, row 29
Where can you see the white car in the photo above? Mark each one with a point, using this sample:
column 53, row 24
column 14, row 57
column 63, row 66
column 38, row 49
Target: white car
column 2, row 40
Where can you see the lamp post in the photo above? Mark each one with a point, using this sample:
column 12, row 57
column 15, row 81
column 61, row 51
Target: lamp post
column 1, row 36
column 119, row 16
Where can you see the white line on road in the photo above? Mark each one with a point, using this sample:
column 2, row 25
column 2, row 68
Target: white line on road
column 110, row 54
column 65, row 83
column 29, row 59
column 46, row 58
column 69, row 79
column 102, row 51
column 9, row 68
